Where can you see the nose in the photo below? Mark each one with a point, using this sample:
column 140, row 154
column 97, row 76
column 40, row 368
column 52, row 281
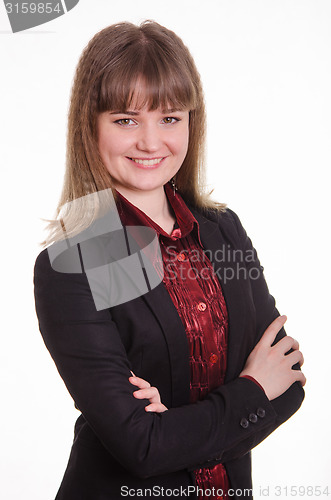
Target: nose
column 149, row 138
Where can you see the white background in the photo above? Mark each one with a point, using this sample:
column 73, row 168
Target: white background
column 265, row 65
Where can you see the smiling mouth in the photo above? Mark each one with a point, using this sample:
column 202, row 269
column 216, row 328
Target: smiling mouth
column 147, row 163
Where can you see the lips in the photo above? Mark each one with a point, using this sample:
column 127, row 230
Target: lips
column 148, row 162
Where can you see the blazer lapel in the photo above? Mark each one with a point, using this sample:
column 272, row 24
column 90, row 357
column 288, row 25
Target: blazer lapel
column 218, row 248
column 173, row 329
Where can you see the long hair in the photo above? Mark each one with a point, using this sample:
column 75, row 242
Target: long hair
column 106, row 77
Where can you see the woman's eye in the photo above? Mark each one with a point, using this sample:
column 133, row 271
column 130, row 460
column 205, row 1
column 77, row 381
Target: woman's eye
column 170, row 119
column 125, row 121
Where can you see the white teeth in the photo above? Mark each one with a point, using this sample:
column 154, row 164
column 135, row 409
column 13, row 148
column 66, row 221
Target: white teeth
column 148, row 163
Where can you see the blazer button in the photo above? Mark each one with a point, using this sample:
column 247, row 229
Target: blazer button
column 252, row 418
column 261, row 412
column 244, row 423
column 181, row 256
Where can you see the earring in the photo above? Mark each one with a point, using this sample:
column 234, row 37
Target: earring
column 173, row 183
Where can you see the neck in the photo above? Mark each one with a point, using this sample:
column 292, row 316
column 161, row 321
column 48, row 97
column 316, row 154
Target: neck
column 152, row 203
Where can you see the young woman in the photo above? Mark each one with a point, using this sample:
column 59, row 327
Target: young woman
column 177, row 383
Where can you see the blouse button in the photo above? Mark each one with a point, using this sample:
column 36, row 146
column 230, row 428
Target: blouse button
column 213, row 358
column 176, row 233
column 181, row 256
column 202, row 306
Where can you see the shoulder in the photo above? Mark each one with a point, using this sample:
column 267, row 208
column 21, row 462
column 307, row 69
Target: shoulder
column 42, row 271
column 227, row 220
column 226, row 217
column 53, row 273
column 42, row 262
column 64, row 296
column 221, row 215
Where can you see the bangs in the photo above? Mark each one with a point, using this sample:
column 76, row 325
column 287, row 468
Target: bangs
column 145, row 76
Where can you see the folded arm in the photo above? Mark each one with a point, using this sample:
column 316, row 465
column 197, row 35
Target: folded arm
column 90, row 357
column 87, row 349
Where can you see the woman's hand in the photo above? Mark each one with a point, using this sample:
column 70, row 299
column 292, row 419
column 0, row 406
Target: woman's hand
column 147, row 392
column 269, row 365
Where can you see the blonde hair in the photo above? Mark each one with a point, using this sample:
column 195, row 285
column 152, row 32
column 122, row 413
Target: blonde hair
column 106, row 77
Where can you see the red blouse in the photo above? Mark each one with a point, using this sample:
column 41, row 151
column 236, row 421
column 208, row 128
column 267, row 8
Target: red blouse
column 198, row 298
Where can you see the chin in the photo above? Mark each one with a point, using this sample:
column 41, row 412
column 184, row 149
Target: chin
column 150, row 185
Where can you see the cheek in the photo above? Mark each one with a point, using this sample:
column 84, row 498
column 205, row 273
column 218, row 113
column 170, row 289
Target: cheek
column 182, row 142
column 111, row 145
column 178, row 141
column 103, row 142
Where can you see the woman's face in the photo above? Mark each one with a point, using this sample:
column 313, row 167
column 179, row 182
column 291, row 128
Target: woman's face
column 141, row 149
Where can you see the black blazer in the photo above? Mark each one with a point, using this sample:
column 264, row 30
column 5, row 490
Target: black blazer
column 119, row 449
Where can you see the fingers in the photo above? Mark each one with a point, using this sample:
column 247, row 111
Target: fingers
column 299, row 376
column 269, row 335
column 145, row 391
column 151, row 393
column 295, row 357
column 156, row 407
column 139, row 382
column 286, row 344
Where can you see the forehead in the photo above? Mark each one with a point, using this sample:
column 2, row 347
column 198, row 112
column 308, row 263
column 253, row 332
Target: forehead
column 145, row 98
column 137, row 92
